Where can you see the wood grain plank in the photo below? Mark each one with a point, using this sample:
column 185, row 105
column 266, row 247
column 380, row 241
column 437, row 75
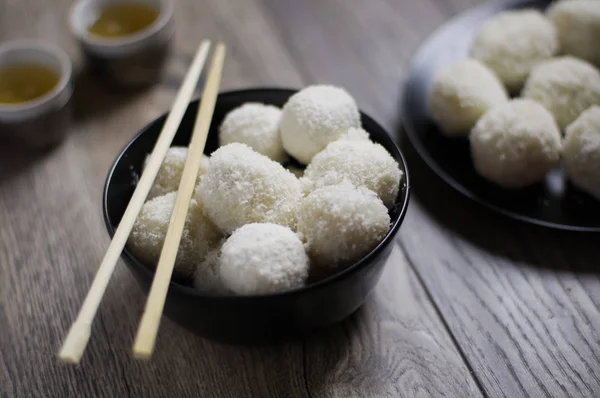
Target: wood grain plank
column 521, row 300
column 52, row 238
column 391, row 347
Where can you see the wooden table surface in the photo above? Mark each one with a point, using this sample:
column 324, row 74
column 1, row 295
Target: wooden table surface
column 471, row 304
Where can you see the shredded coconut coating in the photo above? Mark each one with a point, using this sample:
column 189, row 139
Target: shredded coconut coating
column 314, row 117
column 150, row 228
column 207, row 277
column 169, row 175
column 256, row 125
column 359, row 162
column 355, row 134
column 512, row 43
column 581, row 151
column 566, row 86
column 515, row 144
column 262, row 259
column 577, row 23
column 340, row 224
column 242, row 187
column 461, row 93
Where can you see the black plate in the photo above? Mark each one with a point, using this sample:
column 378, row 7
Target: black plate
column 552, row 203
column 252, row 319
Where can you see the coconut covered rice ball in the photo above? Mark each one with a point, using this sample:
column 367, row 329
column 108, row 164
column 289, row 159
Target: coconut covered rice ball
column 314, row 117
column 581, row 151
column 359, row 162
column 256, row 125
column 340, row 224
column 150, row 228
column 515, row 144
column 461, row 93
column 577, row 23
column 566, row 86
column 263, row 258
column 242, row 186
column 169, row 175
column 512, row 43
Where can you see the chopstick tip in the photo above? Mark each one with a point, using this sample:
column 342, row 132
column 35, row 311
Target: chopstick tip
column 75, row 343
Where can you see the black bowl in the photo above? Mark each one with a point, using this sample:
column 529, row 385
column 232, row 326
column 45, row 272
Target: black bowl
column 251, row 319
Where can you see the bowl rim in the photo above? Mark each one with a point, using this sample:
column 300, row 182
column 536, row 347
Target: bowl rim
column 190, row 290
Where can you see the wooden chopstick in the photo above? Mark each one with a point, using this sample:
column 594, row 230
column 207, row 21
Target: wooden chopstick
column 148, row 329
column 80, row 331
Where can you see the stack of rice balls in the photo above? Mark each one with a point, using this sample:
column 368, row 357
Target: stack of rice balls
column 254, row 227
column 549, row 64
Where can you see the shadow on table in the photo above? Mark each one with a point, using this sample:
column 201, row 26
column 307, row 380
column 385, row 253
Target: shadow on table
column 15, row 158
column 515, row 240
column 97, row 98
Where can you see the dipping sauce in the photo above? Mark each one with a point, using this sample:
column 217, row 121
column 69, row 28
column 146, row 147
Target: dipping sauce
column 123, row 19
column 25, row 82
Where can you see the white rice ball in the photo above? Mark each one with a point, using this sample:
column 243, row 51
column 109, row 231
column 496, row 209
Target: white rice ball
column 359, row 162
column 577, row 23
column 581, row 151
column 566, row 86
column 314, row 117
column 150, row 228
column 340, row 224
column 515, row 144
column 512, row 43
column 256, row 125
column 242, row 187
column 461, row 94
column 169, row 174
column 355, row 134
column 262, row 259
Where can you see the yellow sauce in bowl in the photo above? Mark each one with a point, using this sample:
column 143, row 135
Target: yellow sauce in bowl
column 123, row 19
column 26, row 82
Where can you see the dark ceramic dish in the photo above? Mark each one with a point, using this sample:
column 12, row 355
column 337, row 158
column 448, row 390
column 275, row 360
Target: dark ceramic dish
column 252, row 319
column 552, row 203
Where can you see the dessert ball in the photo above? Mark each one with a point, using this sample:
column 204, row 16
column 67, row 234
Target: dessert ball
column 577, row 23
column 359, row 162
column 169, row 175
column 242, row 186
column 262, row 259
column 461, row 94
column 150, row 228
column 340, row 224
column 515, row 144
column 314, row 117
column 581, row 151
column 512, row 43
column 566, row 86
column 256, row 125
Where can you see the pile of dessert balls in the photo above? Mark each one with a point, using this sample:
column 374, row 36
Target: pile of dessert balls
column 550, row 61
column 253, row 226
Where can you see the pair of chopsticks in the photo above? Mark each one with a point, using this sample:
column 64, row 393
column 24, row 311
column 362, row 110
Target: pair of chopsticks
column 80, row 331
